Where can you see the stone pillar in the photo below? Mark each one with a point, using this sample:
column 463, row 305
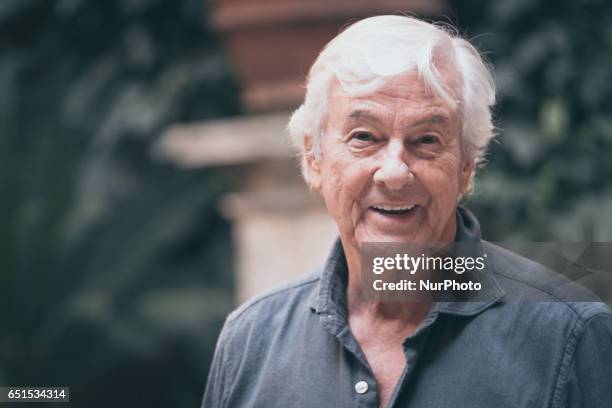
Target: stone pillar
column 281, row 229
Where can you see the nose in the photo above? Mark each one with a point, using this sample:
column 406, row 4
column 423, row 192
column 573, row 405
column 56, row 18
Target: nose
column 393, row 171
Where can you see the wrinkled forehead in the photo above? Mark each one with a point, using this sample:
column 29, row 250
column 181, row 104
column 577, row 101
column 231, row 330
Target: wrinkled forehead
column 409, row 87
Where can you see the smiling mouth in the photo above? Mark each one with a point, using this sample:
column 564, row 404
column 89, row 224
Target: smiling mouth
column 393, row 210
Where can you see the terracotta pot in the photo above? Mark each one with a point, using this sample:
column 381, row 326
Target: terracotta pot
column 272, row 43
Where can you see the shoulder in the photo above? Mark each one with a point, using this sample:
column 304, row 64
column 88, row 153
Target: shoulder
column 277, row 303
column 526, row 281
column 265, row 324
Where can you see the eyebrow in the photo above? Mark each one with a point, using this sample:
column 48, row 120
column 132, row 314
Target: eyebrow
column 433, row 120
column 358, row 114
column 430, row 120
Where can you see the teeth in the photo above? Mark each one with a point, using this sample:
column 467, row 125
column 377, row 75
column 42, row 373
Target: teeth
column 393, row 208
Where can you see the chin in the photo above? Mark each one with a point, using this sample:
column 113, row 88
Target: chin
column 386, row 237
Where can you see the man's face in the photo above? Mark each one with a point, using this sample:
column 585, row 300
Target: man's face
column 391, row 167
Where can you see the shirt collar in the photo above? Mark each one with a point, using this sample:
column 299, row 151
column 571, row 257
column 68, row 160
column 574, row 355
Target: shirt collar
column 330, row 298
column 331, row 294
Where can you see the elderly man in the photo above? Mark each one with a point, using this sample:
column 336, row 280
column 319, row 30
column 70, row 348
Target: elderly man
column 396, row 118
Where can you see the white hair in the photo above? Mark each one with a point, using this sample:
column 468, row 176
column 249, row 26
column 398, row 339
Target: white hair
column 371, row 52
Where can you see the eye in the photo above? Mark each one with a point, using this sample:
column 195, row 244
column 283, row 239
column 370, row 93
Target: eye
column 363, row 136
column 427, row 140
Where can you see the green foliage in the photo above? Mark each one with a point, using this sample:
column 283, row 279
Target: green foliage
column 548, row 176
column 115, row 271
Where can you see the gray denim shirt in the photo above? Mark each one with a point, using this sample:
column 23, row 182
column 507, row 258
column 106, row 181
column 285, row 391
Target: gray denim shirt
column 293, row 347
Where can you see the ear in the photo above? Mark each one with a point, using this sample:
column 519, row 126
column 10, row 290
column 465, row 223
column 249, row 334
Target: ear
column 467, row 169
column 312, row 167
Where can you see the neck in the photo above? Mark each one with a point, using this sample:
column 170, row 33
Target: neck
column 404, row 313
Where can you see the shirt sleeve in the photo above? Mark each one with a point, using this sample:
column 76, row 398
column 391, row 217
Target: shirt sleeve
column 588, row 379
column 217, row 385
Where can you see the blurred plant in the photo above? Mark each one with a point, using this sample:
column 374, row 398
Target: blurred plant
column 548, row 176
column 115, row 271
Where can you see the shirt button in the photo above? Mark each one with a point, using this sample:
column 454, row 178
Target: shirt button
column 361, row 387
